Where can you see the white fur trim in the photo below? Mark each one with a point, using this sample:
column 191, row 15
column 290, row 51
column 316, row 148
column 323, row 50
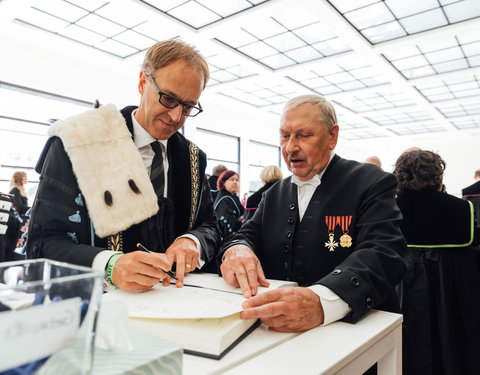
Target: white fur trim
column 104, row 157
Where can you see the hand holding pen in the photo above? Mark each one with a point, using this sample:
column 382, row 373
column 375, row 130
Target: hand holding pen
column 140, row 270
column 143, row 248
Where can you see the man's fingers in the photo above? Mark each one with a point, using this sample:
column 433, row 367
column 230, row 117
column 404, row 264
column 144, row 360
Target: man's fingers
column 262, row 280
column 244, row 283
column 264, row 311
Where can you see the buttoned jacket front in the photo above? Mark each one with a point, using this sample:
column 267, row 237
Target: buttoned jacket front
column 362, row 197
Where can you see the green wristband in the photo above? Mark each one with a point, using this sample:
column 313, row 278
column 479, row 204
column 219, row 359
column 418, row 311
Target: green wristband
column 110, row 264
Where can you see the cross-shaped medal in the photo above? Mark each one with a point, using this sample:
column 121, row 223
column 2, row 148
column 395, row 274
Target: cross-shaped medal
column 331, row 244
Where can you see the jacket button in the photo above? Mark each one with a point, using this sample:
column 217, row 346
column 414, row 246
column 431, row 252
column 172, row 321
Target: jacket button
column 289, row 234
column 36, row 226
column 292, row 207
column 369, row 303
column 354, row 280
column 290, row 220
column 35, row 250
column 286, row 248
column 286, row 265
column 336, row 272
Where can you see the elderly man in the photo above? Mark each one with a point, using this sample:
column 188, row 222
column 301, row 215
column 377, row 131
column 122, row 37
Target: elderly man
column 113, row 181
column 333, row 227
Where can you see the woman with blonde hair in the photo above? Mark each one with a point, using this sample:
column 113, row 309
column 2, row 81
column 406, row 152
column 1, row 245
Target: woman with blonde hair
column 20, row 200
column 269, row 175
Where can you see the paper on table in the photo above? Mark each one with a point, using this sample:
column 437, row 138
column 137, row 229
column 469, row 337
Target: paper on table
column 215, row 282
column 179, row 303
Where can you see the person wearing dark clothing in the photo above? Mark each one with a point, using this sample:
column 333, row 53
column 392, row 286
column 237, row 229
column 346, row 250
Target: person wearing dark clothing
column 20, row 200
column 111, row 180
column 440, row 308
column 212, row 181
column 472, row 193
column 227, row 205
column 333, row 227
column 269, row 176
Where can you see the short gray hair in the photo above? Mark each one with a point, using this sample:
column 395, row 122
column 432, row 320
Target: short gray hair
column 326, row 113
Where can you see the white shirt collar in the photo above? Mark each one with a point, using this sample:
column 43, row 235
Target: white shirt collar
column 141, row 137
column 316, row 179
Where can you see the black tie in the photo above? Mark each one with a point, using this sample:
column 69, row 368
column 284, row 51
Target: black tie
column 157, row 175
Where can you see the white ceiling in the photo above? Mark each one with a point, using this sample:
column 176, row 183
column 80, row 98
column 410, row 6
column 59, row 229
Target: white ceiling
column 393, row 69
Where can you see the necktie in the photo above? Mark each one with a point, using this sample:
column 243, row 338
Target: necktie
column 157, row 175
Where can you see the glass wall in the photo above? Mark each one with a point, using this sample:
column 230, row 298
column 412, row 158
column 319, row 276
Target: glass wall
column 25, row 115
column 260, row 155
column 220, row 149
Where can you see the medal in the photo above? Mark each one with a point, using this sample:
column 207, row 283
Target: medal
column 331, row 244
column 346, row 240
column 331, row 224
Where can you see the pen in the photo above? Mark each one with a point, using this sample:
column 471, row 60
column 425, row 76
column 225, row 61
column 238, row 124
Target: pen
column 143, row 248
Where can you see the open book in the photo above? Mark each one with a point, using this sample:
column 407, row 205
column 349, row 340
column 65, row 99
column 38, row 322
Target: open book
column 203, row 316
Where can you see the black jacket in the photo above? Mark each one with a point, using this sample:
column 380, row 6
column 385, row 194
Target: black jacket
column 254, row 200
column 353, row 199
column 20, row 202
column 229, row 211
column 60, row 227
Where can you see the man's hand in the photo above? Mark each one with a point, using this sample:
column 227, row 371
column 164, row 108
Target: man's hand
column 241, row 268
column 286, row 309
column 183, row 252
column 140, row 270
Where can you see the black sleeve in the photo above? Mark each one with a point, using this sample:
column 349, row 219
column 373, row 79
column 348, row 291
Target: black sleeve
column 60, row 227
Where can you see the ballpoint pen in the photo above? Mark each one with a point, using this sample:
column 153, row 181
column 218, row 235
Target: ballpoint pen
column 143, row 248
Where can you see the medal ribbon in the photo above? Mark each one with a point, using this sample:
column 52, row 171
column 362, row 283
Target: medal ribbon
column 346, row 221
column 331, row 222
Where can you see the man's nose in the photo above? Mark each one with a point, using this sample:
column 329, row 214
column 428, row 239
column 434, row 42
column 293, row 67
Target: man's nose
column 176, row 113
column 292, row 146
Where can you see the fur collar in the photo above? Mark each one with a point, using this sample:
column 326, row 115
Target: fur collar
column 104, row 160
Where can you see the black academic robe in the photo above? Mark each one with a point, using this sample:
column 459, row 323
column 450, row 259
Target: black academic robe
column 472, row 193
column 439, row 292
column 354, row 199
column 229, row 211
column 53, row 235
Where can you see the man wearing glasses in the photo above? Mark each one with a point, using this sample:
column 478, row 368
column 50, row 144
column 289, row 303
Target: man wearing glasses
column 125, row 191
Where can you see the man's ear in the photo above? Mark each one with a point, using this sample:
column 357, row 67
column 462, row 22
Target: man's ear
column 334, row 136
column 142, row 80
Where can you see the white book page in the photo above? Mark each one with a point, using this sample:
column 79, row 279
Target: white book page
column 179, row 303
column 203, row 296
column 215, row 282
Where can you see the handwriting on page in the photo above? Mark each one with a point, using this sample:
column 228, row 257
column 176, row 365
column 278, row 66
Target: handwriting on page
column 182, row 303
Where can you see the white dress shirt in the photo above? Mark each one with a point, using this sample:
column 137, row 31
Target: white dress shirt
column 334, row 308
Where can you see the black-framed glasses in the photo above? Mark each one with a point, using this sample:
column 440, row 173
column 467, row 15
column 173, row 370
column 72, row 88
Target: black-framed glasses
column 170, row 102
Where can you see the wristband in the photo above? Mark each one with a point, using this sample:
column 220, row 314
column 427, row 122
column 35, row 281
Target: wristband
column 110, row 264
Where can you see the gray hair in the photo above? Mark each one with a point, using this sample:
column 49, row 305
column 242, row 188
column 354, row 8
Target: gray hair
column 326, row 112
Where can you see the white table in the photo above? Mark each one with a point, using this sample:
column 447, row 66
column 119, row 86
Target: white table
column 339, row 348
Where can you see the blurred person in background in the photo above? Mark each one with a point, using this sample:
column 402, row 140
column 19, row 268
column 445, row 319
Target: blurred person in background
column 269, row 175
column 20, row 200
column 212, row 181
column 227, row 205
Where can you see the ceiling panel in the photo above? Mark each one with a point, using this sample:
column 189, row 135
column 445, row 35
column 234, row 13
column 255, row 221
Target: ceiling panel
column 392, row 68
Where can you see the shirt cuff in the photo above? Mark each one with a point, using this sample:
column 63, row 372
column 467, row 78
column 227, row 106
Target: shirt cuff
column 100, row 264
column 334, row 308
column 201, row 257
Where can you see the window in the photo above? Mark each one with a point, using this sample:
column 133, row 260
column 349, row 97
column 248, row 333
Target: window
column 25, row 116
column 260, row 155
column 220, row 149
